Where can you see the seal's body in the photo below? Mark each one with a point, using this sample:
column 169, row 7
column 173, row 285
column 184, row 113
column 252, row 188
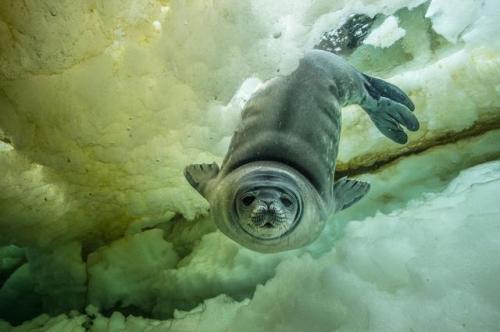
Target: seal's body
column 275, row 187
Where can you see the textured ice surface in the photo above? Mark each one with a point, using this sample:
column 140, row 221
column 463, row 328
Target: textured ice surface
column 431, row 266
column 386, row 34
column 102, row 104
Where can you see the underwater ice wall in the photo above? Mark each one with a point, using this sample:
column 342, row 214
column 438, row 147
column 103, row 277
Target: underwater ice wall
column 103, row 103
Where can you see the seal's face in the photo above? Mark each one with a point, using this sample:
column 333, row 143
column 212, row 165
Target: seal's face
column 267, row 212
column 268, row 207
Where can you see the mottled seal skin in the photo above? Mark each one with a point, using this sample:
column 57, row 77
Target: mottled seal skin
column 275, row 188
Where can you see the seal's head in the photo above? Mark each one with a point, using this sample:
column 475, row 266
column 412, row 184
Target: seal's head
column 269, row 210
column 268, row 207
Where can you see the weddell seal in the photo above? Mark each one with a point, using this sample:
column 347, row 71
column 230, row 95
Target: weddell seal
column 275, row 188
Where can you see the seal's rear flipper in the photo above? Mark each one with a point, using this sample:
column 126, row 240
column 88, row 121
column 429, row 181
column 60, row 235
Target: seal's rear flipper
column 199, row 175
column 389, row 108
column 347, row 192
column 380, row 88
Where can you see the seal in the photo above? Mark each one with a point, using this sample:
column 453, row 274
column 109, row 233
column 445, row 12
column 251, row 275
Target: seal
column 275, row 188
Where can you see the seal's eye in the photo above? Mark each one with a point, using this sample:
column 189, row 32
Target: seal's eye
column 286, row 201
column 247, row 200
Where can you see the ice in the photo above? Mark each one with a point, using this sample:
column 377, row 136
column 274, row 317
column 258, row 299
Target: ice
column 430, row 266
column 386, row 34
column 102, row 105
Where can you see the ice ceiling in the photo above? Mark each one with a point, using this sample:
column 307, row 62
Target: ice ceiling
column 103, row 103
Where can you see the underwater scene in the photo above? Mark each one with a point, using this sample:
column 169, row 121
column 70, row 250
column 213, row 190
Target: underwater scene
column 249, row 165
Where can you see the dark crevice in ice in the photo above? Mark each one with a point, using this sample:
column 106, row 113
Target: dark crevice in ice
column 446, row 138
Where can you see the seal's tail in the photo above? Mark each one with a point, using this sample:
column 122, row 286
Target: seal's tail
column 389, row 108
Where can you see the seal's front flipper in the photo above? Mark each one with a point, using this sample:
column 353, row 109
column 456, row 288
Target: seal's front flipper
column 347, row 192
column 389, row 108
column 199, row 175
